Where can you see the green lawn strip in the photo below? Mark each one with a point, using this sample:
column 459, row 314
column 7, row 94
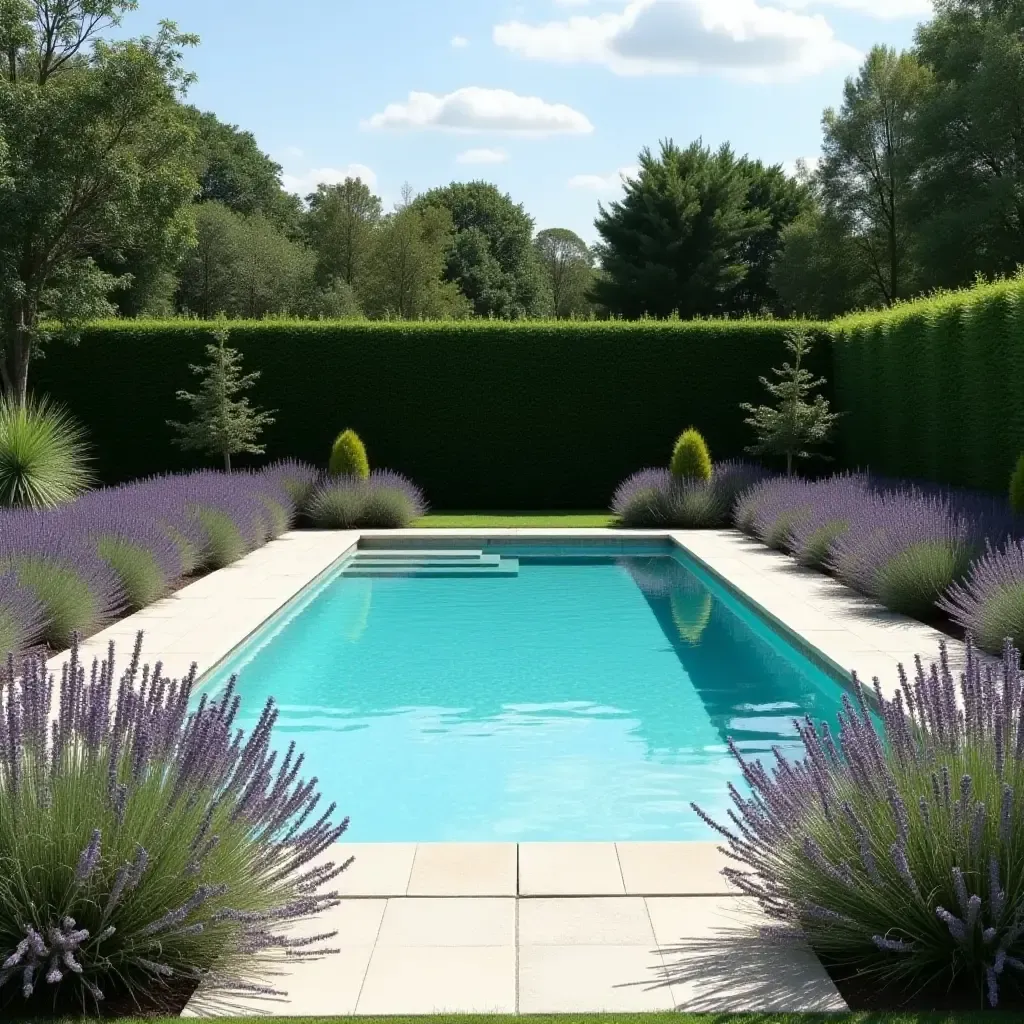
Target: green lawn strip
column 504, row 520
column 650, row 1018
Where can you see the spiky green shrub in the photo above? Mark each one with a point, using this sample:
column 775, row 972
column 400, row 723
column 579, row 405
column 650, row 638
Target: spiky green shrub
column 44, row 459
column 142, row 579
column 348, row 456
column 1017, row 486
column 147, row 848
column 691, row 459
column 896, row 851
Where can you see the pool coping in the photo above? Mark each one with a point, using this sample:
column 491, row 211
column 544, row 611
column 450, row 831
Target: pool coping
column 559, row 885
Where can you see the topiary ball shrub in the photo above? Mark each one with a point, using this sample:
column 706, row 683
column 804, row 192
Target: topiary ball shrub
column 348, row 457
column 386, row 500
column 691, row 459
column 989, row 603
column 894, row 848
column 1017, row 487
column 147, row 848
column 44, row 459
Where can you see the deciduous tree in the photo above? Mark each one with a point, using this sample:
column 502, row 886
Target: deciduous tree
column 568, row 265
column 98, row 158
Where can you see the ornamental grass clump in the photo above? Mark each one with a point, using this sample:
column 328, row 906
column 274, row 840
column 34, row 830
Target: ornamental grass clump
column 658, row 498
column 894, row 847
column 147, row 848
column 385, row 500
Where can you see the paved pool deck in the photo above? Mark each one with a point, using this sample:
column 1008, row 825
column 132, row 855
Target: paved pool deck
column 535, row 927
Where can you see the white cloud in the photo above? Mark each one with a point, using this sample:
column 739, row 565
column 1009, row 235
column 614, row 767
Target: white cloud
column 604, row 182
column 885, row 10
column 482, row 156
column 739, row 38
column 474, row 109
column 460, row 42
column 305, row 182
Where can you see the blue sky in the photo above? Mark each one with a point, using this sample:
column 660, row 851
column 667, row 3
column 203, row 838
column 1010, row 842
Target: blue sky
column 549, row 99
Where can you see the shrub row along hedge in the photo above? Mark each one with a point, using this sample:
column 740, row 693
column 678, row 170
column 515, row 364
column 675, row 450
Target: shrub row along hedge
column 934, row 389
column 484, row 415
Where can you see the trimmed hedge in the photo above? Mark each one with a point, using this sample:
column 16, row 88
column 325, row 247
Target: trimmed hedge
column 481, row 414
column 934, row 389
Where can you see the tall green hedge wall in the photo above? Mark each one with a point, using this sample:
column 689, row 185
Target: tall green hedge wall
column 934, row 389
column 484, row 415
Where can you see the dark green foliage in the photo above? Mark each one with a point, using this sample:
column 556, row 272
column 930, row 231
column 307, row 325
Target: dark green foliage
column 675, row 243
column 348, row 456
column 690, row 457
column 1017, row 486
column 934, row 389
column 492, row 258
column 483, row 415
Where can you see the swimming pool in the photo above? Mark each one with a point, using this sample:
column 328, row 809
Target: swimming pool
column 512, row 692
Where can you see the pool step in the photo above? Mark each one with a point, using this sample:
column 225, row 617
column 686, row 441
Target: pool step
column 508, row 567
column 440, row 563
column 402, row 553
column 414, row 561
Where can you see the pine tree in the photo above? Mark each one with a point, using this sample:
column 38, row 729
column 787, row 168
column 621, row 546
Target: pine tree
column 795, row 424
column 223, row 423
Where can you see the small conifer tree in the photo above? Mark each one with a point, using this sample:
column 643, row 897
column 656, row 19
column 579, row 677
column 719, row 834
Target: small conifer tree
column 223, row 422
column 795, row 424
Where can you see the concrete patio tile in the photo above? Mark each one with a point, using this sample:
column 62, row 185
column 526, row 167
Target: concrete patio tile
column 716, row 961
column 569, row 869
column 328, row 986
column 449, row 921
column 673, row 869
column 357, row 922
column 434, row 979
column 379, row 869
column 464, row 869
column 592, row 979
column 585, row 920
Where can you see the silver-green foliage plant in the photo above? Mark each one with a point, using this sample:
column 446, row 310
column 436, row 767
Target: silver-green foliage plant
column 894, row 847
column 223, row 422
column 44, row 458
column 795, row 424
column 148, row 847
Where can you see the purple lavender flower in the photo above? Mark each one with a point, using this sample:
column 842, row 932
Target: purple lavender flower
column 940, row 904
column 140, row 760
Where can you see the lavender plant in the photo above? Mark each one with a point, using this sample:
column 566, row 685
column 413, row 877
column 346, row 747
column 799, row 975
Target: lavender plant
column 906, row 548
column 658, row 498
column 814, row 535
column 771, row 510
column 21, row 614
column 893, row 847
column 989, row 603
column 120, row 548
column 384, row 500
column 148, row 848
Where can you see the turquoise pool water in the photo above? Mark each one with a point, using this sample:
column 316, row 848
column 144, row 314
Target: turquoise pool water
column 533, row 693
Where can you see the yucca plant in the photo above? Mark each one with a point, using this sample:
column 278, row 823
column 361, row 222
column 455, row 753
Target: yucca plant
column 894, row 848
column 44, row 458
column 147, row 848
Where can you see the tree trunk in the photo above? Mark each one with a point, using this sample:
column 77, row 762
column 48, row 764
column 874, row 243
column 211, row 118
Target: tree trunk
column 17, row 351
column 789, row 463
column 227, row 462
